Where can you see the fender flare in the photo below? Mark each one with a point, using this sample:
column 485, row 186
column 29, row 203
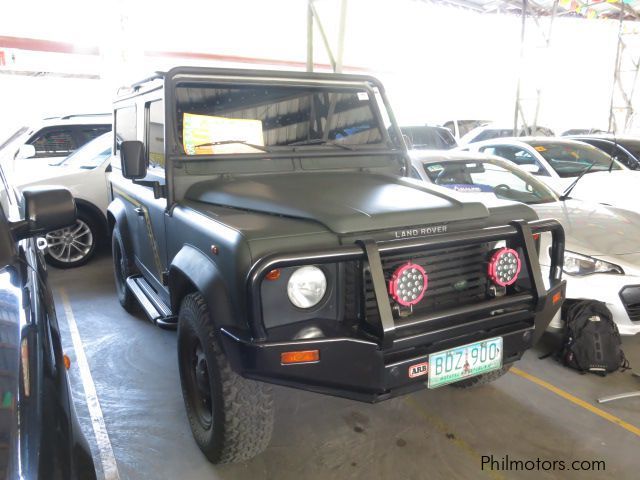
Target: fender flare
column 117, row 215
column 190, row 269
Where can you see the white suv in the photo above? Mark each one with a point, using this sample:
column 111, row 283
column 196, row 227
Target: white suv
column 49, row 141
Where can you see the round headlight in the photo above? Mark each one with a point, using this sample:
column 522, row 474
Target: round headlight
column 504, row 267
column 307, row 286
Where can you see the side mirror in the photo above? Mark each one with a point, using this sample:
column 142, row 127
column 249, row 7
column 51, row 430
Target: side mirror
column 26, row 151
column 45, row 209
column 134, row 165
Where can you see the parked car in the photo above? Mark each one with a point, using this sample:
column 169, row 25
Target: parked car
column 626, row 150
column 287, row 248
column 582, row 131
column 428, row 138
column 559, row 162
column 602, row 256
column 460, row 127
column 32, row 147
column 84, row 173
column 41, row 437
column 492, row 131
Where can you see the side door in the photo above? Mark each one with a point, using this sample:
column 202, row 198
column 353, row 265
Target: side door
column 150, row 232
column 145, row 213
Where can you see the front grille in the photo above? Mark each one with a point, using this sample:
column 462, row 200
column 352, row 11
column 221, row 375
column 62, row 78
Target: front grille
column 457, row 276
column 630, row 297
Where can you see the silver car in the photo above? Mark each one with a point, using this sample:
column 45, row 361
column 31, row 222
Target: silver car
column 602, row 258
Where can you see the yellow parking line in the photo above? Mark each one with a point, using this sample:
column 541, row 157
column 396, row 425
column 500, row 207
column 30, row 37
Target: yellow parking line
column 581, row 403
column 443, row 428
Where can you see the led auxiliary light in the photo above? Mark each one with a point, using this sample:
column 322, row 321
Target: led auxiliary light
column 504, row 267
column 408, row 284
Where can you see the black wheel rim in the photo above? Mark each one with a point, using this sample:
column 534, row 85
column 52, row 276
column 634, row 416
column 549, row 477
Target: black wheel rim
column 198, row 384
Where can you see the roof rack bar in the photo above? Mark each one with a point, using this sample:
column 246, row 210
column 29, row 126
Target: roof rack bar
column 73, row 115
column 155, row 76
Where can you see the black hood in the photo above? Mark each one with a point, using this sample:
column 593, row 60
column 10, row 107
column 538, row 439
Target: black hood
column 344, row 202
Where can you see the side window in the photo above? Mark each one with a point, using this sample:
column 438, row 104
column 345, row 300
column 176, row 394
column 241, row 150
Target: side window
column 126, row 126
column 519, row 156
column 155, row 134
column 53, row 143
column 86, row 133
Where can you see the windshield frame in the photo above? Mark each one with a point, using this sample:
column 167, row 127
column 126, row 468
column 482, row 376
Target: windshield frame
column 387, row 143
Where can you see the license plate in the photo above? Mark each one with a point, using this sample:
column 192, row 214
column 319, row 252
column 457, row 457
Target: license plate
column 463, row 362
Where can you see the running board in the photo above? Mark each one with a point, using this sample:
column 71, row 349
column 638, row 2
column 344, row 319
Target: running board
column 157, row 311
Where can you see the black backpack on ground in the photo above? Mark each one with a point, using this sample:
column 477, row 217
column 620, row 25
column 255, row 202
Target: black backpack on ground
column 591, row 341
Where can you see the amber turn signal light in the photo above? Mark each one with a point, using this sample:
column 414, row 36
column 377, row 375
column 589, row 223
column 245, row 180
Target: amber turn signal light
column 557, row 297
column 303, row 356
column 67, row 361
column 273, row 274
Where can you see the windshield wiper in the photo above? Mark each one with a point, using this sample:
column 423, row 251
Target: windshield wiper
column 320, row 141
column 566, row 193
column 227, row 142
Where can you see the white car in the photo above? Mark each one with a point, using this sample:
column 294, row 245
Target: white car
column 558, row 162
column 602, row 257
column 496, row 130
column 32, row 147
column 84, row 173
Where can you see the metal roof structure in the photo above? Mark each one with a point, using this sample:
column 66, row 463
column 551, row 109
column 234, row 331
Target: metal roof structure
column 591, row 9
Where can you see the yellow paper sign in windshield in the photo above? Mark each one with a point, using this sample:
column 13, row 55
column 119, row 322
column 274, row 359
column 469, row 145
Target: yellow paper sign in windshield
column 540, row 148
column 207, row 135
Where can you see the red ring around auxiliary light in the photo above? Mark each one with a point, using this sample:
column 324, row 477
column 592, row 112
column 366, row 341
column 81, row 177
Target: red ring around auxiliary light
column 493, row 266
column 396, row 279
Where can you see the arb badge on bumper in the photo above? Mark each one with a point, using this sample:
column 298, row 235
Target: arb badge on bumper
column 418, row 369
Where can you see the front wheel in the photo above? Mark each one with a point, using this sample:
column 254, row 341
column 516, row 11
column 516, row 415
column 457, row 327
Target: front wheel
column 231, row 417
column 122, row 269
column 72, row 246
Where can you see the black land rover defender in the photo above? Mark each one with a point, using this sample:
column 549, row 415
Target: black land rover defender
column 267, row 216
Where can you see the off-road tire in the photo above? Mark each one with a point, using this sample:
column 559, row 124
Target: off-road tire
column 241, row 410
column 482, row 379
column 122, row 269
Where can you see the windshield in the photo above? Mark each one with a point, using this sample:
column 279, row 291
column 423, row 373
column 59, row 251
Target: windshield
column 429, row 138
column 487, row 176
column 92, row 155
column 250, row 119
column 570, row 160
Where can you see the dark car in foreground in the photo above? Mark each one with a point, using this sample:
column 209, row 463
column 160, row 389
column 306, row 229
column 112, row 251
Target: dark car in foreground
column 40, row 437
column 267, row 215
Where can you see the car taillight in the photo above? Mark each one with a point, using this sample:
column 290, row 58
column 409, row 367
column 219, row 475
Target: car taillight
column 408, row 284
column 504, row 267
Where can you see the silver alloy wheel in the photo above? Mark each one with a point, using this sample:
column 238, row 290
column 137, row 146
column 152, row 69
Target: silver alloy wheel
column 70, row 244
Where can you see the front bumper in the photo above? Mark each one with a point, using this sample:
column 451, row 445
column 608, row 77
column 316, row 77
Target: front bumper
column 374, row 368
